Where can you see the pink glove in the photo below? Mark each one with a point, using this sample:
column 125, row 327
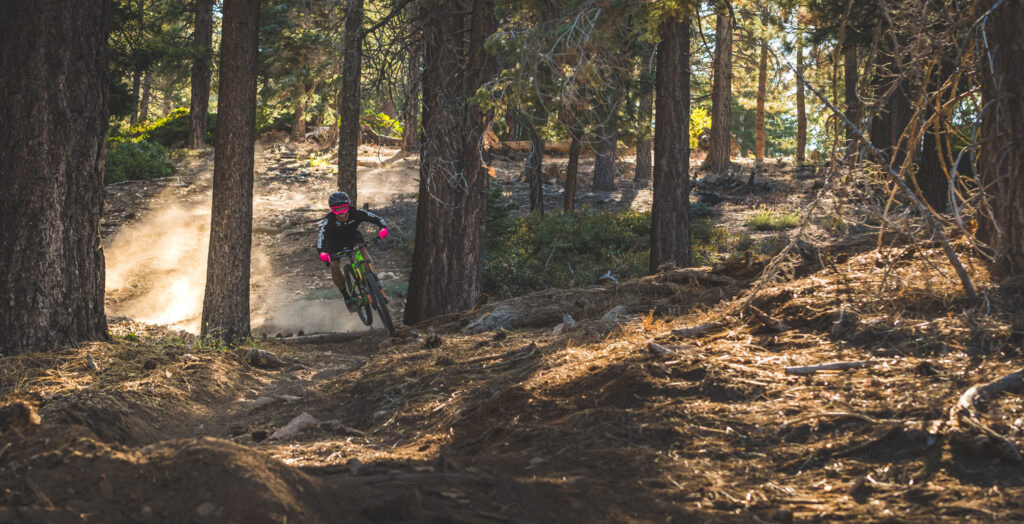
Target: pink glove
column 324, row 257
column 383, row 233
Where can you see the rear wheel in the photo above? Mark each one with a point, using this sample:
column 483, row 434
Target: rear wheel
column 359, row 295
column 380, row 302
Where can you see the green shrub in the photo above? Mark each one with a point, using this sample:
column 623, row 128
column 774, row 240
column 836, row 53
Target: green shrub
column 319, row 159
column 383, row 124
column 700, row 121
column 562, row 250
column 135, row 160
column 499, row 222
column 765, row 219
column 700, row 210
column 171, row 131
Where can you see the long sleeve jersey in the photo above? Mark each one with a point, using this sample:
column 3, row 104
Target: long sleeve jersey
column 336, row 235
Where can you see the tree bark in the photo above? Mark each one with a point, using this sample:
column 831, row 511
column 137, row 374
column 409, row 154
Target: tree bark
column 147, row 84
column 410, row 111
column 136, row 83
column 200, row 100
column 51, row 172
column 447, row 273
column 299, row 123
column 226, row 302
column 801, row 105
column 852, row 101
column 533, row 167
column 604, row 161
column 1001, row 165
column 571, row 171
column 348, row 103
column 670, row 213
column 888, row 125
column 936, row 153
column 762, row 89
column 721, row 91
column 642, row 175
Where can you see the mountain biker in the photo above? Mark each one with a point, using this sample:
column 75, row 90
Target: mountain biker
column 340, row 230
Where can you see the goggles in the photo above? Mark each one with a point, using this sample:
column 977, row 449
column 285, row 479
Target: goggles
column 338, row 210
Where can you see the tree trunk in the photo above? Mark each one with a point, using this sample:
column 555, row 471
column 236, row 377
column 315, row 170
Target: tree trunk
column 852, row 101
column 1001, row 166
column 762, row 89
column 936, row 154
column 721, row 91
column 410, row 111
column 533, row 167
column 136, row 82
column 604, row 161
column 888, row 125
column 447, row 272
column 51, row 262
column 642, row 175
column 801, row 105
column 226, row 302
column 348, row 103
column 299, row 125
column 571, row 170
column 147, row 84
column 670, row 213
column 200, row 102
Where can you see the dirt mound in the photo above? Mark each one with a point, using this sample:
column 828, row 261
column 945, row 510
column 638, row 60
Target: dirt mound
column 60, row 473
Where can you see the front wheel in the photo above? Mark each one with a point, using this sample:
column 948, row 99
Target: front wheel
column 380, row 302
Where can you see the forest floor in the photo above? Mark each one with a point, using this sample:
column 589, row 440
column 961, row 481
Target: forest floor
column 691, row 412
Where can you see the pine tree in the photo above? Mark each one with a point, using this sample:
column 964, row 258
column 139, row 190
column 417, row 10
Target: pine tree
column 51, row 262
column 670, row 213
column 226, row 302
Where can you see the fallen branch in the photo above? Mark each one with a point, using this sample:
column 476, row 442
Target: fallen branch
column 658, row 349
column 830, row 366
column 529, row 347
column 324, row 338
column 840, row 414
column 965, row 412
column 769, row 322
column 522, row 353
column 935, row 228
column 696, row 330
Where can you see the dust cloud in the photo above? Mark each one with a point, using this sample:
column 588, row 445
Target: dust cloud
column 156, row 273
column 156, row 267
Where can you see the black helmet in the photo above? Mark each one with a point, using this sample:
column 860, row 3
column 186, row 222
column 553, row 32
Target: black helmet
column 337, row 198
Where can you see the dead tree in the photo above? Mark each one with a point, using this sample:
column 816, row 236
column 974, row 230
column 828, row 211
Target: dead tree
column 1001, row 159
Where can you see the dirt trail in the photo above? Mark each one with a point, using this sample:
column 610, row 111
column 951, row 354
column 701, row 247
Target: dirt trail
column 545, row 423
column 156, row 252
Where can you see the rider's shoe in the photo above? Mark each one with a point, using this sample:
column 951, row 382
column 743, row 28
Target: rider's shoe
column 352, row 305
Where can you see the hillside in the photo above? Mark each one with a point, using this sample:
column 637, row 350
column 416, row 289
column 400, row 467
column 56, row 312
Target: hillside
column 672, row 397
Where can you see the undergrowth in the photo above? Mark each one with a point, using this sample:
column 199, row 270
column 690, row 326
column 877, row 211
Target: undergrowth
column 170, row 131
column 135, row 160
column 764, row 219
column 564, row 250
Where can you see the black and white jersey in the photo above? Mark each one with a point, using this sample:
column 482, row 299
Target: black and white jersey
column 336, row 235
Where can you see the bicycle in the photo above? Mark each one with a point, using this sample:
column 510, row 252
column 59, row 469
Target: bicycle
column 364, row 287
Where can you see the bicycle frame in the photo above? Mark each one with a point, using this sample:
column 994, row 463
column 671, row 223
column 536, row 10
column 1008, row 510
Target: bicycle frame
column 357, row 263
column 365, row 287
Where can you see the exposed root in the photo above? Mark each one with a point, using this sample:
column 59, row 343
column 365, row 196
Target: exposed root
column 964, row 413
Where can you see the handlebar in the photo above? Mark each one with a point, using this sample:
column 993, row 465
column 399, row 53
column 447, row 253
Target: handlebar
column 349, row 251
